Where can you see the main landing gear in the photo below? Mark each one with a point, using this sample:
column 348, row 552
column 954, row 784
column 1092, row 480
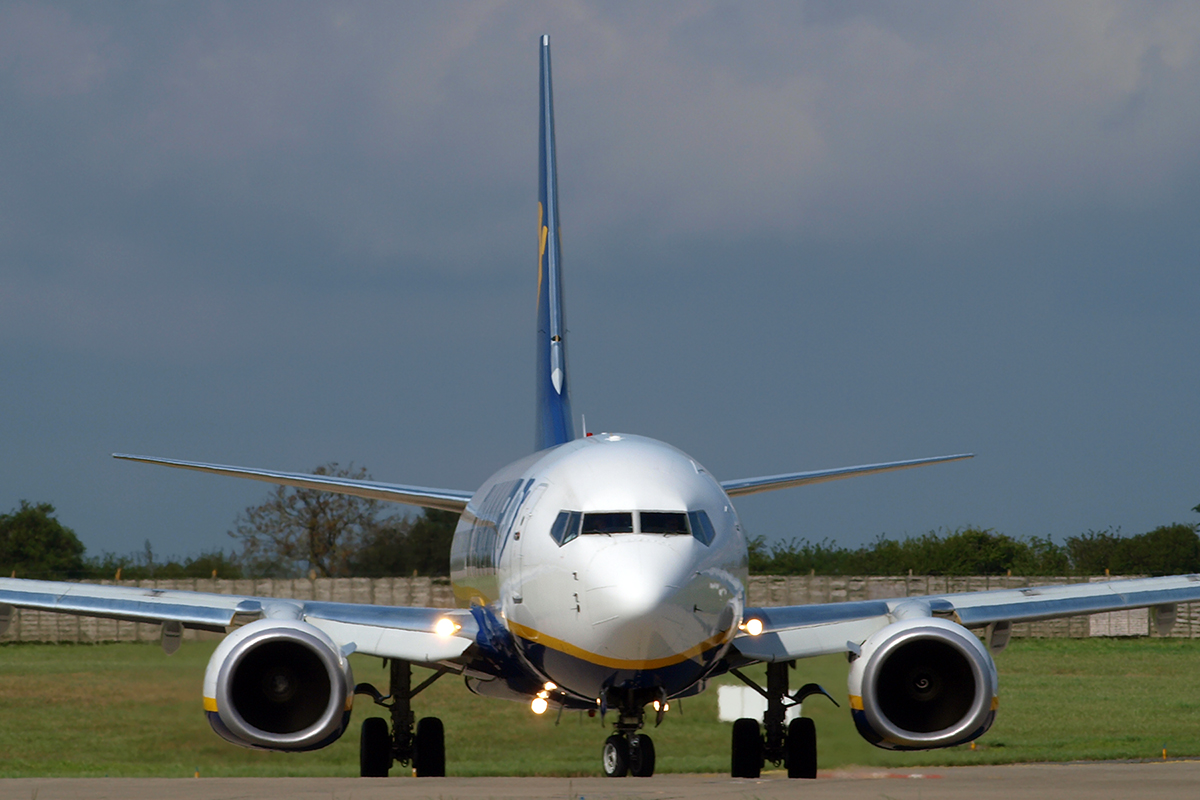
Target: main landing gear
column 627, row 752
column 422, row 745
column 793, row 745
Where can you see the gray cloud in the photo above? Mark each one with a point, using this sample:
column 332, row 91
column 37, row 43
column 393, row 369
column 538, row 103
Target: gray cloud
column 797, row 235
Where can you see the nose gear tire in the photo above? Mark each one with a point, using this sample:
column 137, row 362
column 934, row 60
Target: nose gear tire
column 641, row 756
column 616, row 756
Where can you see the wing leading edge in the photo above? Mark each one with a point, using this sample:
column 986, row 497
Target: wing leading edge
column 444, row 499
column 791, row 632
column 768, row 483
column 401, row 632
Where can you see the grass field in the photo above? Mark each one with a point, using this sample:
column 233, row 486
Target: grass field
column 129, row 710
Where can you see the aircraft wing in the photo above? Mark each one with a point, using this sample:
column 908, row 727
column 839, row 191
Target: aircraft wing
column 399, row 632
column 769, row 483
column 444, row 499
column 791, row 632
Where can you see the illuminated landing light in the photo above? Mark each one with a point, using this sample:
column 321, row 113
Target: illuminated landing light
column 550, row 686
column 752, row 626
column 664, row 706
column 446, row 627
column 539, row 705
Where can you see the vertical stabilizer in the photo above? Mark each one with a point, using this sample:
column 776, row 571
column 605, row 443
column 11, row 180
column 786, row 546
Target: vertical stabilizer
column 554, row 422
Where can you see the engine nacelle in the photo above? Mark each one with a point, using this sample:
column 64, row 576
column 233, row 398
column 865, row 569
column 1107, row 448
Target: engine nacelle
column 922, row 683
column 278, row 685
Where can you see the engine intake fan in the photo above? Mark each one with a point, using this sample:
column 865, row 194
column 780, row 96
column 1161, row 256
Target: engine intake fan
column 923, row 683
column 278, row 685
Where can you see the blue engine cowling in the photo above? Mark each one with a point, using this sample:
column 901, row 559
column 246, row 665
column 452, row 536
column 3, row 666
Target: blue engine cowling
column 278, row 685
column 923, row 683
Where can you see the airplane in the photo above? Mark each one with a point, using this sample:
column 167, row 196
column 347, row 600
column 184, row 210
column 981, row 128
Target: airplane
column 604, row 572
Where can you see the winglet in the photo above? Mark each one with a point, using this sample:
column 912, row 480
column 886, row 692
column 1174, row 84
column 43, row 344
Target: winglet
column 555, row 425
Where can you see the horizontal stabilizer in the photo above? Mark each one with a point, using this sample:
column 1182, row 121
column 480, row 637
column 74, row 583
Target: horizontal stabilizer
column 769, row 483
column 444, row 499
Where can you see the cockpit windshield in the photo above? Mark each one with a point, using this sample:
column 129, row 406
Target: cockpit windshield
column 664, row 522
column 571, row 524
column 565, row 527
column 608, row 522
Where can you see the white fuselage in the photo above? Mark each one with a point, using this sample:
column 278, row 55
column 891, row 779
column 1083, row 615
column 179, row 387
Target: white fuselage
column 650, row 605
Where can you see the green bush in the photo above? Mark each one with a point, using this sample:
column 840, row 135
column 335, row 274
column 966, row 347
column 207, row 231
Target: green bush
column 1168, row 550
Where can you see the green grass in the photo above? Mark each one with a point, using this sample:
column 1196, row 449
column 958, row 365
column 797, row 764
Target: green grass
column 129, row 710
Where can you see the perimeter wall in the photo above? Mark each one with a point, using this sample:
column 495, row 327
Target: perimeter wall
column 40, row 626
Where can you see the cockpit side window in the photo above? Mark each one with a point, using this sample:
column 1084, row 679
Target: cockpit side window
column 565, row 527
column 608, row 522
column 702, row 527
column 668, row 522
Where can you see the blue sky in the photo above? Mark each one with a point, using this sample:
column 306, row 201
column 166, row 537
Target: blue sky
column 796, row 236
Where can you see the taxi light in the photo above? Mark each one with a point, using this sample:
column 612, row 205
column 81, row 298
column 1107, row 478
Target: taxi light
column 550, row 686
column 446, row 627
column 539, row 705
column 753, row 626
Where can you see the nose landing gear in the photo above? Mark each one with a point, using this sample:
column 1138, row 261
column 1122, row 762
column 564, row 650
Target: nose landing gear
column 627, row 752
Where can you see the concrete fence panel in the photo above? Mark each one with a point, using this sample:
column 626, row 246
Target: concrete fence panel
column 763, row 590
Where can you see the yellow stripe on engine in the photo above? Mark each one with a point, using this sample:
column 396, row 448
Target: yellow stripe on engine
column 856, row 702
column 210, row 704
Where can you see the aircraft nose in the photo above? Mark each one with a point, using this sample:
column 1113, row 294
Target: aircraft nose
column 639, row 599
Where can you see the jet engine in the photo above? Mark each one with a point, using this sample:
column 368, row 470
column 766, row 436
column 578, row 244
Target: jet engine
column 278, row 685
column 922, row 683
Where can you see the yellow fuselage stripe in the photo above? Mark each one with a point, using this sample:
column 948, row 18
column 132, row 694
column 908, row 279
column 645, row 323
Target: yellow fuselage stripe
column 466, row 595
column 538, row 637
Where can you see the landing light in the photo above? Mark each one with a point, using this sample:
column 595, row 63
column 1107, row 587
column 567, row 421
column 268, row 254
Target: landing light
column 446, row 627
column 550, row 686
column 539, row 705
column 664, row 706
column 752, row 626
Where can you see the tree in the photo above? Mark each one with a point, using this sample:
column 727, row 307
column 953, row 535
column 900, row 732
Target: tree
column 304, row 530
column 209, row 564
column 34, row 544
column 1166, row 550
column 398, row 546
